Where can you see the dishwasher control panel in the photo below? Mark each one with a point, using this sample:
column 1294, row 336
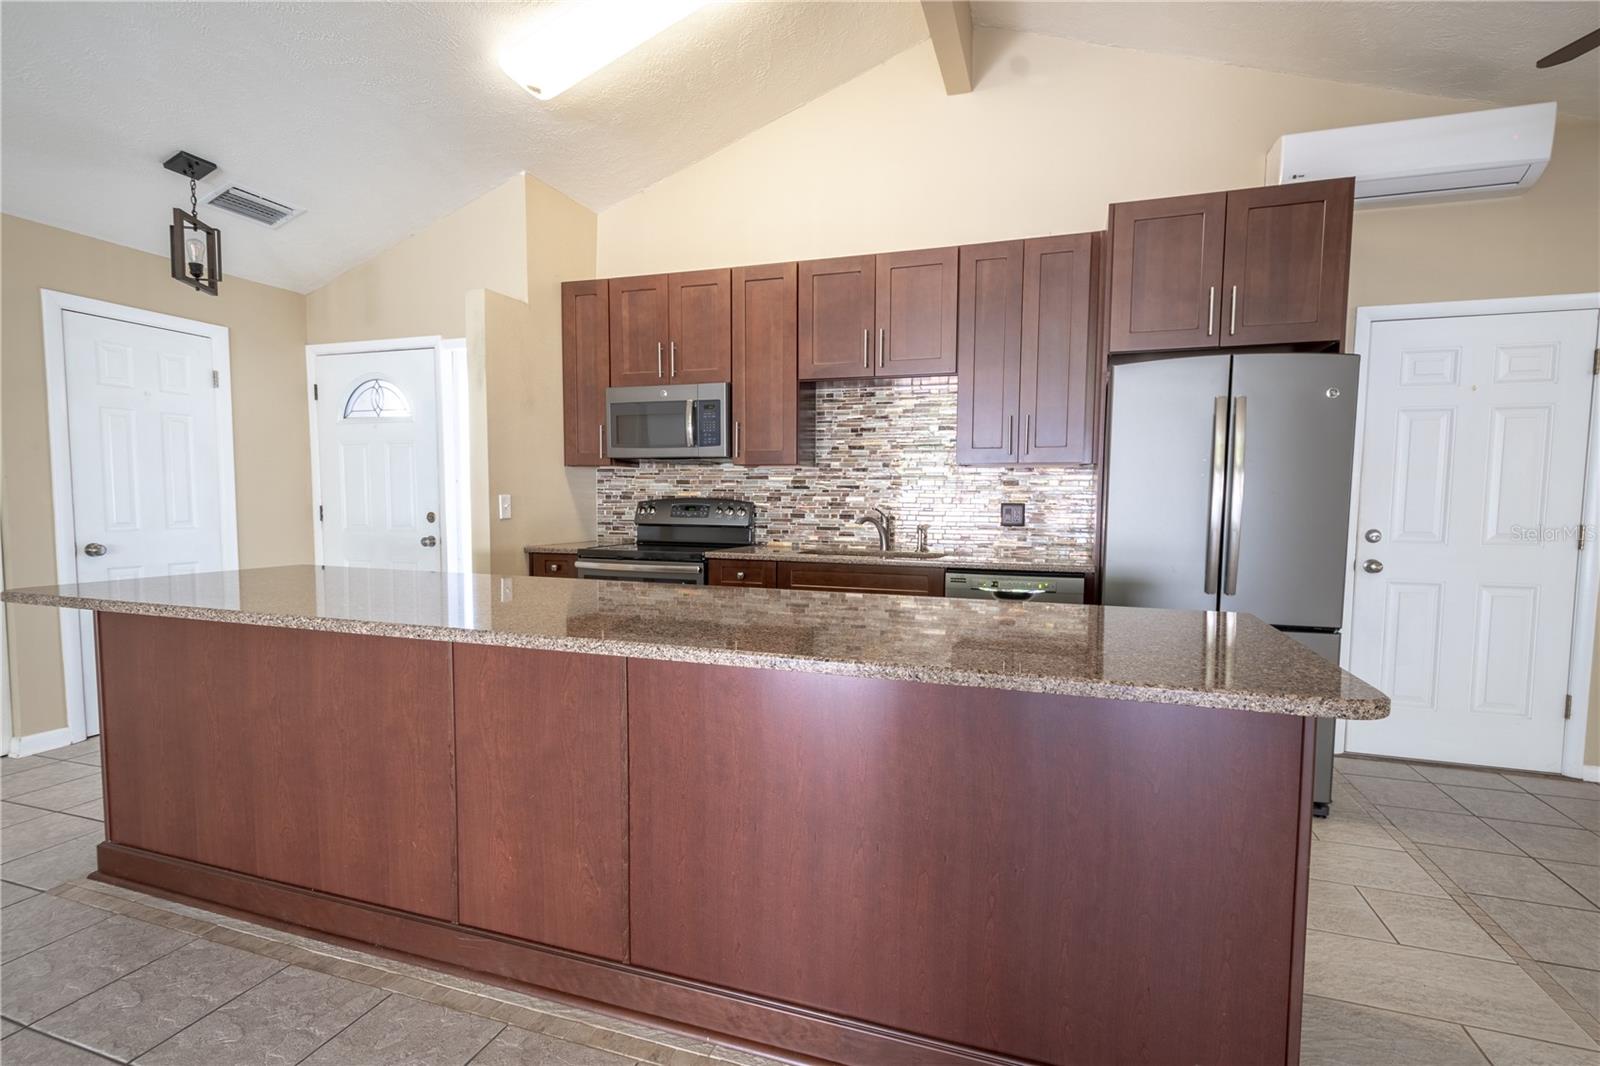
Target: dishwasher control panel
column 1019, row 588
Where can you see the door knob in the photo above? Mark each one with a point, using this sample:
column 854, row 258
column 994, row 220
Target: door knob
column 1372, row 536
column 429, row 541
column 1372, row 566
column 94, row 549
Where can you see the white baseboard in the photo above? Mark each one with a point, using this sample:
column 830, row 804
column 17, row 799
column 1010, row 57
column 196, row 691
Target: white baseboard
column 1591, row 772
column 50, row 739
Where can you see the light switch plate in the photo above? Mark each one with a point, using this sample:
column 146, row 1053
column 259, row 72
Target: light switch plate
column 1013, row 514
column 505, row 505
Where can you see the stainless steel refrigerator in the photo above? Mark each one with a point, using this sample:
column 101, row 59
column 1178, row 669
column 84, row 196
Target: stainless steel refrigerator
column 1228, row 488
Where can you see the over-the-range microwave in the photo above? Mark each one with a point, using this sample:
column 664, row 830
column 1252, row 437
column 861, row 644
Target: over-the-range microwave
column 668, row 422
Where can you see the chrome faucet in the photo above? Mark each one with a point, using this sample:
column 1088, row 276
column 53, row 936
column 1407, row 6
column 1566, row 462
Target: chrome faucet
column 883, row 522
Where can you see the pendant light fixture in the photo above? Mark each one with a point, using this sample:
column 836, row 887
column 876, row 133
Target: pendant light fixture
column 196, row 247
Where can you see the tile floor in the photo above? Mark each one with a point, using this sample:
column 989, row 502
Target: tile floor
column 1454, row 919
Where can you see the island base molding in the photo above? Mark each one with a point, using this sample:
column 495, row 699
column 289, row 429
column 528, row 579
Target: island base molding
column 715, row 1011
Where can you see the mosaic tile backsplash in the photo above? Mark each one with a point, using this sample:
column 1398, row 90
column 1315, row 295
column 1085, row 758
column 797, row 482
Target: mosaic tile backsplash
column 885, row 444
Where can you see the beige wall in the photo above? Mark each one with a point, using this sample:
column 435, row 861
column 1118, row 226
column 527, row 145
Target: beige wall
column 490, row 272
column 418, row 288
column 266, row 336
column 1055, row 132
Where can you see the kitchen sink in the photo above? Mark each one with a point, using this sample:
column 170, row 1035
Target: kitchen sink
column 869, row 553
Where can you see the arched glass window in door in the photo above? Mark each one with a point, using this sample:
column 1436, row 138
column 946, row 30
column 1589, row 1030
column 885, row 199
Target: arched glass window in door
column 376, row 398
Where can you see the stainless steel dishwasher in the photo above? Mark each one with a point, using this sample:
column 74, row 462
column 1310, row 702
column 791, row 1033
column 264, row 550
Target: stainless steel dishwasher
column 1024, row 588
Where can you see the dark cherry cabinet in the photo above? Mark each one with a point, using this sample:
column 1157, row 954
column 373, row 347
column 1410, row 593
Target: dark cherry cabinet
column 1061, row 372
column 1250, row 267
column 916, row 313
column 1286, row 262
column 766, row 403
column 585, row 371
column 837, row 316
column 1166, row 270
column 542, row 796
column 699, row 308
column 639, row 330
column 989, row 353
column 1029, row 379
column 552, row 564
column 852, row 577
column 756, row 573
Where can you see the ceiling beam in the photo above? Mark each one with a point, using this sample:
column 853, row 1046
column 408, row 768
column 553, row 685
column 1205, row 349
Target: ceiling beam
column 950, row 26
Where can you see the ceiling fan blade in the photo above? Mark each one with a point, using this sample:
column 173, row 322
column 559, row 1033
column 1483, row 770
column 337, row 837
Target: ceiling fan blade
column 1587, row 43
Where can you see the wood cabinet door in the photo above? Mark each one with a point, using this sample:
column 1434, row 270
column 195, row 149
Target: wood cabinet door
column 548, row 564
column 837, row 316
column 699, row 310
column 1061, row 379
column 1286, row 267
column 766, row 400
column 1166, row 273
column 989, row 352
column 757, row 573
column 585, row 371
column 851, row 577
column 321, row 760
column 639, row 330
column 542, row 796
column 916, row 316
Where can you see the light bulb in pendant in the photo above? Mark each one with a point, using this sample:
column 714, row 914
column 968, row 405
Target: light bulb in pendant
column 194, row 252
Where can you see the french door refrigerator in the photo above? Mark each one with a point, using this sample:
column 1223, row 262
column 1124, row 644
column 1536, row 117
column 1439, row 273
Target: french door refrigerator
column 1228, row 488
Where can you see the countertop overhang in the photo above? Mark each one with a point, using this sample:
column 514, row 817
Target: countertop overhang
column 1196, row 658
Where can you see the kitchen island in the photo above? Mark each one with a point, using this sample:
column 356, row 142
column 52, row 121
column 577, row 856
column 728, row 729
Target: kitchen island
column 864, row 829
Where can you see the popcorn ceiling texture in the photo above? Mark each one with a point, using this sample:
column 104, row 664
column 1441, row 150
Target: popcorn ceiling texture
column 887, row 444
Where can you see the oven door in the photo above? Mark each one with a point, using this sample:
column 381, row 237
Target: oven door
column 667, row 422
column 662, row 573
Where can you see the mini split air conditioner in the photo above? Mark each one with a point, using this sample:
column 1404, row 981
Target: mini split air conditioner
column 1479, row 153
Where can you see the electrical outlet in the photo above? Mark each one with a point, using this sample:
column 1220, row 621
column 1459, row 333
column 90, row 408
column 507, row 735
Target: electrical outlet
column 505, row 506
column 1013, row 514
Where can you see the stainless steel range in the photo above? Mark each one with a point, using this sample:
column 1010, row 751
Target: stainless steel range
column 671, row 538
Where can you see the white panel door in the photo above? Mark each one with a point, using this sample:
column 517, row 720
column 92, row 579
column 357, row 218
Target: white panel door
column 142, row 429
column 1472, row 475
column 378, row 459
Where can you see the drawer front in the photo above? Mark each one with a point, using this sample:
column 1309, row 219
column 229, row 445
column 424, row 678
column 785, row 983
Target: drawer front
column 551, row 565
column 848, row 577
column 757, row 573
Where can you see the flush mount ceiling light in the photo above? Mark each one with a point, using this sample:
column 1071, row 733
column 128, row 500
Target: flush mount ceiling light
column 196, row 247
column 571, row 40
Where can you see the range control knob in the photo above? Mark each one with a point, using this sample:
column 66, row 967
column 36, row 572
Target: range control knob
column 741, row 512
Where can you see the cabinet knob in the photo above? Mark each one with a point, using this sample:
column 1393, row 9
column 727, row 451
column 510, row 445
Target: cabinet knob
column 554, row 567
column 738, row 575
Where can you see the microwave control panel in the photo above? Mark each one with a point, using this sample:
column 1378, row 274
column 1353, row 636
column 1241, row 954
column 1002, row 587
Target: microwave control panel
column 708, row 423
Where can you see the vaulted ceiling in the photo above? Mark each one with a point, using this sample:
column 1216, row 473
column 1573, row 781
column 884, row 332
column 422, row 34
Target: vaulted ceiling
column 380, row 118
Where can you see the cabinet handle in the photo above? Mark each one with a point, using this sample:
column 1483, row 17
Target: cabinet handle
column 1233, row 316
column 1027, row 432
column 673, row 363
column 1211, row 312
column 602, row 438
column 738, row 575
column 1011, row 431
column 880, row 347
column 555, row 567
column 736, row 451
column 658, row 360
column 866, row 358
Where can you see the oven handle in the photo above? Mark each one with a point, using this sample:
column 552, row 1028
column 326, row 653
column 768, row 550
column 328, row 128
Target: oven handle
column 600, row 566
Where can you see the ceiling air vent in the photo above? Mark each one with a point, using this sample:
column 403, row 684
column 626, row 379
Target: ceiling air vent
column 255, row 207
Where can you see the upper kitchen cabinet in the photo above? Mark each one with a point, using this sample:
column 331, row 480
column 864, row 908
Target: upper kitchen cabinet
column 1028, row 388
column 699, row 309
column 1240, row 269
column 989, row 353
column 916, row 313
column 639, row 330
column 1286, row 262
column 837, row 316
column 1166, row 266
column 585, row 371
column 1061, row 379
column 766, row 409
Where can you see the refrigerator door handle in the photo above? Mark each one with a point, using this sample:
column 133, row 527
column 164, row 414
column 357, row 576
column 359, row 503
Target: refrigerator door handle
column 1235, row 496
column 1219, row 462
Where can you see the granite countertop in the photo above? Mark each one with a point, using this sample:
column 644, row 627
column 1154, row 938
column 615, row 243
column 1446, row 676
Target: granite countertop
column 1020, row 560
column 1182, row 657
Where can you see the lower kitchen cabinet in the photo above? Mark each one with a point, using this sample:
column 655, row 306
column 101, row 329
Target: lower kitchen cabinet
column 851, row 577
column 552, row 564
column 758, row 573
column 542, row 796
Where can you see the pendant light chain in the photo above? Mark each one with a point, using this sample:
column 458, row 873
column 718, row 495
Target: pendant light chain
column 194, row 201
